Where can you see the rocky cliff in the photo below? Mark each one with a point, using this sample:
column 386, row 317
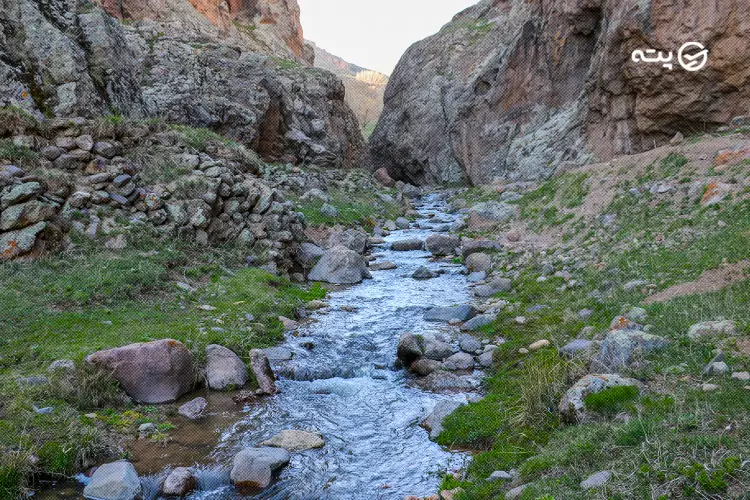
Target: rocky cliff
column 515, row 88
column 236, row 68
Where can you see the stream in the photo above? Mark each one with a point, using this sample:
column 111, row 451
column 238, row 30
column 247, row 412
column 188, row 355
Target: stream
column 347, row 388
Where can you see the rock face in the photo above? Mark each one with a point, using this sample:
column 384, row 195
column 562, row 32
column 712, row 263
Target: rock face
column 114, row 481
column 512, row 88
column 154, row 372
column 255, row 467
column 340, row 265
column 219, row 65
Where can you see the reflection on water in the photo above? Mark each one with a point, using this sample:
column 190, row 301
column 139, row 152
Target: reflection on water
column 347, row 388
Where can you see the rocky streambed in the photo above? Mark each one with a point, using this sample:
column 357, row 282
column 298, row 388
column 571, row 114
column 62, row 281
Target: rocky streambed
column 339, row 379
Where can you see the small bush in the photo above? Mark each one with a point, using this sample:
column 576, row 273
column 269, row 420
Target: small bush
column 611, row 401
column 20, row 155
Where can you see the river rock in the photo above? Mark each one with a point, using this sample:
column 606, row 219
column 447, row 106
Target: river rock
column 193, row 409
column 443, row 381
column 402, row 223
column 407, row 245
column 295, row 440
column 309, row 254
column 152, row 372
column 478, row 322
column 423, row 273
column 261, row 368
column 255, row 467
column 340, row 265
column 459, row 361
column 114, row 481
column 497, row 285
column 487, row 358
column 410, row 348
column 572, row 406
column 445, row 314
column 478, row 262
column 468, row 343
column 437, row 349
column 442, row 244
column 425, row 366
column 383, row 266
column 434, row 422
column 224, row 369
column 179, row 483
column 352, row 239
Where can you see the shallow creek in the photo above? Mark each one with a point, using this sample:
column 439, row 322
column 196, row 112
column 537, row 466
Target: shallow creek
column 345, row 387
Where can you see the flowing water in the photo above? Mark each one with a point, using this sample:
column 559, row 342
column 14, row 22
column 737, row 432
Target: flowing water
column 346, row 387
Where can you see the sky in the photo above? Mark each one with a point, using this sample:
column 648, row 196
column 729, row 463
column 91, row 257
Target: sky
column 374, row 33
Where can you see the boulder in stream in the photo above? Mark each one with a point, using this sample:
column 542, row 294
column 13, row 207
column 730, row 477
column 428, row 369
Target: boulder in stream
column 254, row 468
column 441, row 245
column 340, row 265
column 407, row 245
column 114, row 481
column 446, row 314
column 179, row 483
column 434, row 422
column 224, row 369
column 261, row 368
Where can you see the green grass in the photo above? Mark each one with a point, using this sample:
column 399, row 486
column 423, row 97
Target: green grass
column 672, row 164
column 355, row 209
column 72, row 304
column 550, row 204
column 675, row 436
column 21, row 156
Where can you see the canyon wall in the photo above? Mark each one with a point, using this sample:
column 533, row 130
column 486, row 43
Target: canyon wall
column 512, row 89
column 238, row 68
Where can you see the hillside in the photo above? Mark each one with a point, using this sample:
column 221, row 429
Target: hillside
column 364, row 88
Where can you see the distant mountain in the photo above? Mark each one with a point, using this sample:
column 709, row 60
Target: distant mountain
column 365, row 88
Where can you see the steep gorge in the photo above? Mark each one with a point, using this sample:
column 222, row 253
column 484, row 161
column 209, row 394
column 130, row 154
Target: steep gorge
column 513, row 89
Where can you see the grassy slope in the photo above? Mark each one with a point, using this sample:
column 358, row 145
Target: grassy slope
column 677, row 442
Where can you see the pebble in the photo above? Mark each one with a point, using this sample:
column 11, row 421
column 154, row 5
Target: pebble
column 709, row 387
column 744, row 376
column 539, row 344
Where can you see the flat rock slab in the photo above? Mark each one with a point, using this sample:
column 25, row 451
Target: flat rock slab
column 596, row 480
column 295, row 440
column 446, row 314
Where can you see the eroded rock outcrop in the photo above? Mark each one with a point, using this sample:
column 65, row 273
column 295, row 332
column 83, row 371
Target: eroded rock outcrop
column 70, row 58
column 515, row 88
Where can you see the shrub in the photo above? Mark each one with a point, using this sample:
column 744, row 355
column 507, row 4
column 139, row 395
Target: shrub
column 611, row 401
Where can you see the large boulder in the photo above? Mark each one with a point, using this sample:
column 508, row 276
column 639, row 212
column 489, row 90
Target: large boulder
column 442, row 244
column 152, row 372
column 114, row 481
column 254, row 468
column 224, row 369
column 340, row 265
column 572, row 406
column 352, row 239
column 544, row 83
column 309, row 254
